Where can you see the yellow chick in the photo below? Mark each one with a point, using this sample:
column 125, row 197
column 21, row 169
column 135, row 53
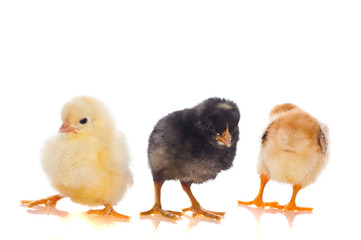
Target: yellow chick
column 88, row 160
column 294, row 150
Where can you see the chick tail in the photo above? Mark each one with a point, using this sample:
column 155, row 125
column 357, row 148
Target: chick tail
column 282, row 108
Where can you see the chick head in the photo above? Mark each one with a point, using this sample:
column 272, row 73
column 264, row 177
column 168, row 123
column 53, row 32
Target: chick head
column 85, row 115
column 219, row 121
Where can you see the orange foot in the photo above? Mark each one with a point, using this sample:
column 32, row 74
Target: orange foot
column 293, row 207
column 259, row 203
column 198, row 210
column 108, row 210
column 49, row 202
column 156, row 209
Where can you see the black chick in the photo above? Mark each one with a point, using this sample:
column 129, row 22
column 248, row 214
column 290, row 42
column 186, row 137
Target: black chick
column 193, row 145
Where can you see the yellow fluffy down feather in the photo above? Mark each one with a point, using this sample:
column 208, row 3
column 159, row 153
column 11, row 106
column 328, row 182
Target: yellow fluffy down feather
column 294, row 146
column 90, row 163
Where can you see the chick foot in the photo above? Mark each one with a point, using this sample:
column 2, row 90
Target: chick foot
column 198, row 210
column 258, row 202
column 157, row 207
column 196, row 207
column 49, row 202
column 291, row 206
column 294, row 207
column 108, row 211
column 165, row 213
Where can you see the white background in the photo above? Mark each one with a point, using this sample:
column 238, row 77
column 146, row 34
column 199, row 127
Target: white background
column 144, row 59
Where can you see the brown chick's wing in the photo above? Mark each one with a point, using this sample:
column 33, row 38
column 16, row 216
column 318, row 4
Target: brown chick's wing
column 323, row 141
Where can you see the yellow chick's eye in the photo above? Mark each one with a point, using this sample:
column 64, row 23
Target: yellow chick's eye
column 83, row 121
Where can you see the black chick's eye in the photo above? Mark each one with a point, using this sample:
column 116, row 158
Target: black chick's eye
column 83, row 121
column 211, row 127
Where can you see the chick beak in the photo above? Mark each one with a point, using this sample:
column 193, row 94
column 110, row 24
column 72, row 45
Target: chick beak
column 225, row 138
column 67, row 127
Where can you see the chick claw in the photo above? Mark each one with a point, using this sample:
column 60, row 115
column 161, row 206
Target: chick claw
column 108, row 211
column 198, row 210
column 165, row 213
column 293, row 207
column 49, row 202
column 259, row 203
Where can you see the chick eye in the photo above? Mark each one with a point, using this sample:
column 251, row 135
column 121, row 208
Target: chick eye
column 211, row 127
column 83, row 121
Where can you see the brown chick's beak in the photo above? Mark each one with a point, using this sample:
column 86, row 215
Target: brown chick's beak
column 225, row 138
column 67, row 127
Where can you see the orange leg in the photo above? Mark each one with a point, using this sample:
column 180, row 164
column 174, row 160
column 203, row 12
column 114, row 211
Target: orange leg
column 258, row 201
column 291, row 206
column 50, row 201
column 196, row 207
column 157, row 207
column 108, row 211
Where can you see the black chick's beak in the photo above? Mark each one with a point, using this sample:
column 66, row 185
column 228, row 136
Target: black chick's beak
column 225, row 138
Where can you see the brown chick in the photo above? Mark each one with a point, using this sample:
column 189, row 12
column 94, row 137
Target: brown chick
column 294, row 150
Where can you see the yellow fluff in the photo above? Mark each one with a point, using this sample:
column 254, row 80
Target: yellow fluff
column 87, row 160
column 90, row 166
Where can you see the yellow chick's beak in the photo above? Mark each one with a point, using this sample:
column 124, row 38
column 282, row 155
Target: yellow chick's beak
column 225, row 138
column 67, row 127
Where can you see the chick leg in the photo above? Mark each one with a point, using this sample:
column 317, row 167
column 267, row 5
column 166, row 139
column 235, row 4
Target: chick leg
column 49, row 202
column 291, row 206
column 157, row 208
column 196, row 207
column 108, row 211
column 258, row 201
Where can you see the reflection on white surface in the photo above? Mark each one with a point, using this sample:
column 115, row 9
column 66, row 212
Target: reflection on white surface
column 239, row 222
column 44, row 210
column 258, row 212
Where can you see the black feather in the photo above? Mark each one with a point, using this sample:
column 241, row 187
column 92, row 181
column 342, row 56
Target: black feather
column 183, row 144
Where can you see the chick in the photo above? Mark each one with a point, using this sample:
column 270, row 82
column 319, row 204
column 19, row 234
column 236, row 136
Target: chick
column 88, row 160
column 294, row 150
column 193, row 145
